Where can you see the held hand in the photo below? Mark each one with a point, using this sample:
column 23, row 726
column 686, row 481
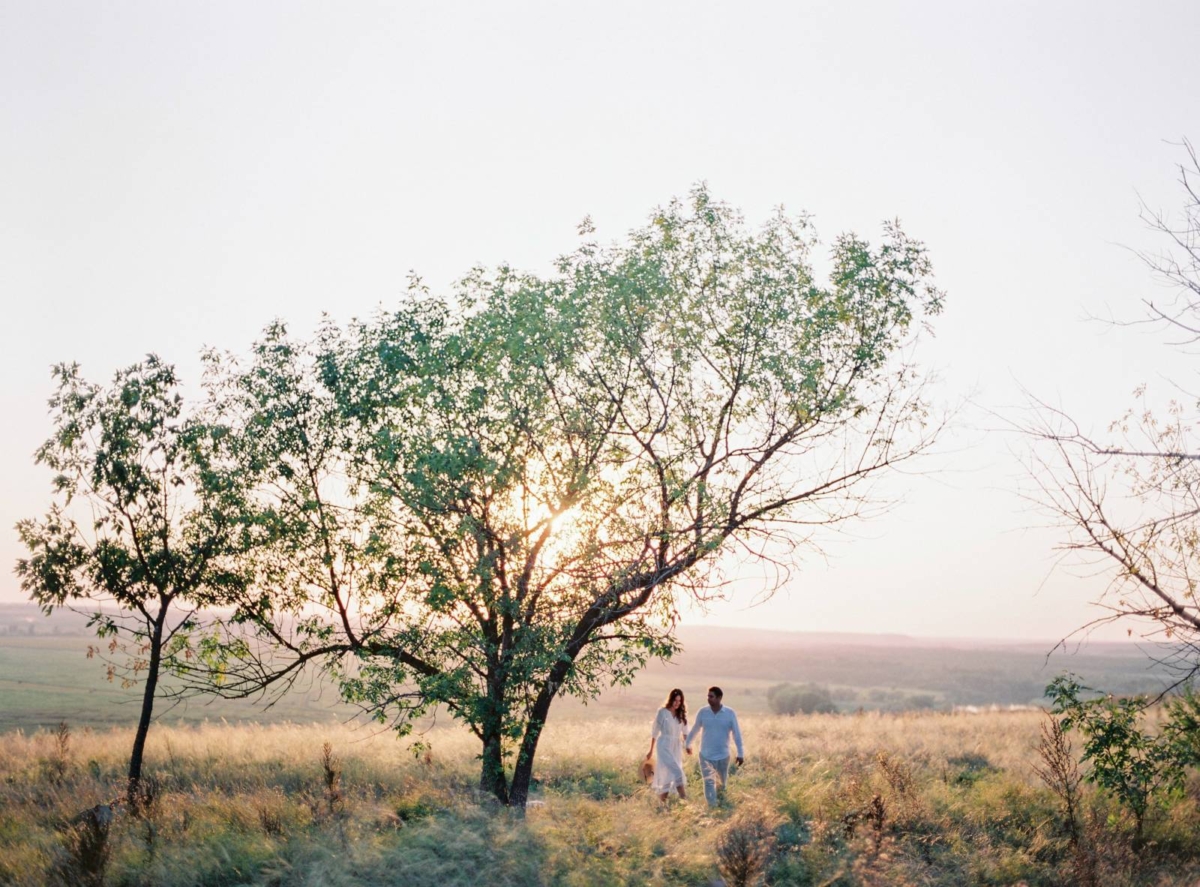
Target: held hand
column 739, row 762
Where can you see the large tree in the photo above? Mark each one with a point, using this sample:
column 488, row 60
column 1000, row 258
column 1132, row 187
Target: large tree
column 135, row 536
column 1129, row 497
column 487, row 501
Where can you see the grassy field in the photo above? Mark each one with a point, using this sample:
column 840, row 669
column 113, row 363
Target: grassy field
column 45, row 680
column 244, row 796
column 872, row 799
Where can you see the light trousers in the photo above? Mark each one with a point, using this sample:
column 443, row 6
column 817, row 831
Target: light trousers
column 714, row 772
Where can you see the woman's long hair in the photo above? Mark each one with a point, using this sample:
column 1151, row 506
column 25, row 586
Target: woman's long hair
column 680, row 715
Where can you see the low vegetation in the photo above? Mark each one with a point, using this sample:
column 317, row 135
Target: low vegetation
column 794, row 699
column 835, row 800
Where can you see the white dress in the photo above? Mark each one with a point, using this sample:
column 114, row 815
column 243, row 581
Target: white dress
column 668, row 766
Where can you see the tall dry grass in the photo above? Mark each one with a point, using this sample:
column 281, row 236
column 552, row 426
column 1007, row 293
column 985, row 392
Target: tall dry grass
column 829, row 799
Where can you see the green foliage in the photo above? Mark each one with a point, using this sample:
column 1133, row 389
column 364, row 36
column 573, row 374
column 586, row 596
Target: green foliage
column 792, row 699
column 487, row 501
column 1128, row 759
column 137, row 531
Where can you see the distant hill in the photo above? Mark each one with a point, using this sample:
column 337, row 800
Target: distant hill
column 895, row 671
column 45, row 676
column 27, row 620
column 722, row 636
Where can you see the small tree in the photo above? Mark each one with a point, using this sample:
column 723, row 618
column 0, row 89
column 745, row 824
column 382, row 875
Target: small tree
column 132, row 531
column 1131, row 762
column 489, row 501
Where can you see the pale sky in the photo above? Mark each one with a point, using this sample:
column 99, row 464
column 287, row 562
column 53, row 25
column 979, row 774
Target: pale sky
column 176, row 175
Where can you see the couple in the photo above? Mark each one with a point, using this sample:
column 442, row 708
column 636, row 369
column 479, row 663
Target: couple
column 717, row 722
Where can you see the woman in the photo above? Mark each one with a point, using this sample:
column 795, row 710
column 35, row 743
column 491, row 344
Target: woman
column 669, row 726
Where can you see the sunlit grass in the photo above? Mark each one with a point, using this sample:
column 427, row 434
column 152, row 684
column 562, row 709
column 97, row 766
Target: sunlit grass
column 252, row 805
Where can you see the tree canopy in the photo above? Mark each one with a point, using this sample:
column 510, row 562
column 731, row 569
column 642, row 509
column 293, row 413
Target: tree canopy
column 135, row 533
column 487, row 500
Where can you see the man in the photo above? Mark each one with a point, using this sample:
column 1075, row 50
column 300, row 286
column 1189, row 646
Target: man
column 717, row 722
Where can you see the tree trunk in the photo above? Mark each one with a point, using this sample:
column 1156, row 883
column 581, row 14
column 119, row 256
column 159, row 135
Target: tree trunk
column 151, row 688
column 491, row 778
column 1139, row 817
column 518, row 794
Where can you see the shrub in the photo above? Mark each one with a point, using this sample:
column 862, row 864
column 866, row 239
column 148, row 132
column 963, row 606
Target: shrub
column 744, row 849
column 1128, row 761
column 792, row 699
column 86, row 849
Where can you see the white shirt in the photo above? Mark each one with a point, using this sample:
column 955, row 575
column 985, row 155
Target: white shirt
column 717, row 725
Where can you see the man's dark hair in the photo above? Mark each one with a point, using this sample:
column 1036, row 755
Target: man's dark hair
column 716, row 691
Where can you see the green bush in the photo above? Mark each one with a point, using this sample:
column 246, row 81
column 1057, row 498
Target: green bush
column 792, row 699
column 1128, row 760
